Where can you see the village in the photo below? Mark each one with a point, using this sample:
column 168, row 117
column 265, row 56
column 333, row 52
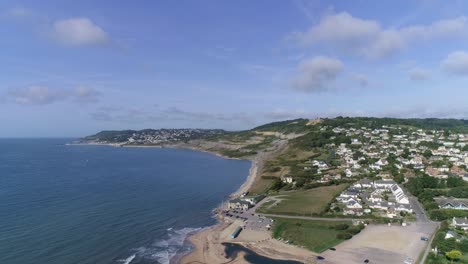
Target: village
column 374, row 167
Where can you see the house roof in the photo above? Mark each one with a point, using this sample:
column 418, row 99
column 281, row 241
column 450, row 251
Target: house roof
column 237, row 200
column 461, row 220
column 456, row 202
column 453, row 234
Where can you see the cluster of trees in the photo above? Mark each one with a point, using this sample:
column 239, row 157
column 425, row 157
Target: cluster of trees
column 426, row 188
column 447, row 248
column 317, row 139
column 347, row 232
column 456, row 125
column 444, row 214
column 288, row 126
column 458, row 192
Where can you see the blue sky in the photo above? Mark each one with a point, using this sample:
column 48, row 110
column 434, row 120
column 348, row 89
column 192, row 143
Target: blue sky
column 72, row 68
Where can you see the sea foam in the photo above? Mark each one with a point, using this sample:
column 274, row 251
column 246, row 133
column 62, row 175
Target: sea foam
column 163, row 250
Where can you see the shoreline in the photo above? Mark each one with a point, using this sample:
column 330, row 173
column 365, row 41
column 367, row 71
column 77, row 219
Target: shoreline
column 206, row 243
column 192, row 239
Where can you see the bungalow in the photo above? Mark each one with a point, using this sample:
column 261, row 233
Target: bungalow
column 363, row 183
column 452, row 234
column 461, row 222
column 404, row 208
column 353, row 211
column 457, row 171
column 387, row 184
column 353, row 205
column 287, row 179
column 379, row 205
column 350, row 193
column 320, row 164
column 452, row 203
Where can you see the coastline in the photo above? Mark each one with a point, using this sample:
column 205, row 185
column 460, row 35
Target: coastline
column 206, row 244
column 198, row 240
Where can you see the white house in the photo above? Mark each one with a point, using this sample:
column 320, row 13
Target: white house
column 353, row 205
column 461, row 222
column 287, row 179
column 400, row 196
column 387, row 184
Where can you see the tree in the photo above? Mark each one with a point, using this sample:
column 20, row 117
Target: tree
column 427, row 154
column 277, row 184
column 454, row 255
column 300, row 182
column 464, row 245
column 455, row 182
column 448, row 245
column 399, row 178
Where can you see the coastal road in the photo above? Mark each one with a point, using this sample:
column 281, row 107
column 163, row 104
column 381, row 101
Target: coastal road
column 315, row 218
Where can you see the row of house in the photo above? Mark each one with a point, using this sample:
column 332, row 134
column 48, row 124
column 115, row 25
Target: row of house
column 365, row 196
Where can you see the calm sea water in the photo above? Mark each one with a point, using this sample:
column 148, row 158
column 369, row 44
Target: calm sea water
column 94, row 204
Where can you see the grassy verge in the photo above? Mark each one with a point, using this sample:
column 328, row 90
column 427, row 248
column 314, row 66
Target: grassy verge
column 316, row 236
column 308, row 202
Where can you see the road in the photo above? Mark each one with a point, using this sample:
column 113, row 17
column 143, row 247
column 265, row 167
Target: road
column 315, row 218
column 421, row 217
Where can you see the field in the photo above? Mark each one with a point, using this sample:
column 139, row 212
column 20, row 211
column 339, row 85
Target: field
column 316, row 236
column 308, row 202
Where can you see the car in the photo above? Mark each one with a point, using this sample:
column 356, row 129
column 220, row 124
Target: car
column 366, row 261
column 333, row 249
column 320, row 257
column 424, row 238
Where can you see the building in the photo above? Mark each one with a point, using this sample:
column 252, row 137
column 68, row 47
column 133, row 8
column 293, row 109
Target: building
column 452, row 234
column 364, row 183
column 400, row 196
column 452, row 203
column 384, row 184
column 253, row 200
column 287, row 179
column 461, row 222
column 238, row 204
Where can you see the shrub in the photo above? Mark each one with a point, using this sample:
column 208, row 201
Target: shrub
column 343, row 236
column 341, row 226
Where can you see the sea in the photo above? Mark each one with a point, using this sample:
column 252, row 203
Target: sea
column 63, row 204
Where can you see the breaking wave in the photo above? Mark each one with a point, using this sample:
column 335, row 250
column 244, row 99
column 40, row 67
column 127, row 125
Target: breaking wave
column 162, row 251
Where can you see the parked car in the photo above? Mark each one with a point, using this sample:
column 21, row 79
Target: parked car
column 320, row 257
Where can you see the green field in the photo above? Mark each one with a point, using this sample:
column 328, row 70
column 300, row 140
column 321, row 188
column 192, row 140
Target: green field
column 308, row 202
column 316, row 236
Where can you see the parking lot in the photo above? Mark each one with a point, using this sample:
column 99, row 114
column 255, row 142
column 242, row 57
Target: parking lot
column 252, row 220
column 382, row 244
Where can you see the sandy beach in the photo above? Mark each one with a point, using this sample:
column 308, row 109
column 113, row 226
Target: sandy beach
column 207, row 243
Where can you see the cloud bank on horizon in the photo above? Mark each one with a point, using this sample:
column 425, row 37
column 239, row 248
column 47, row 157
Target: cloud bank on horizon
column 88, row 66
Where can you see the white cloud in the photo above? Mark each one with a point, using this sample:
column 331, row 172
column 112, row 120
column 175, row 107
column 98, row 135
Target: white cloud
column 19, row 12
column 85, row 94
column 78, row 31
column 42, row 95
column 418, row 74
column 314, row 74
column 361, row 79
column 341, row 27
column 36, row 95
column 456, row 63
column 136, row 115
column 369, row 39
